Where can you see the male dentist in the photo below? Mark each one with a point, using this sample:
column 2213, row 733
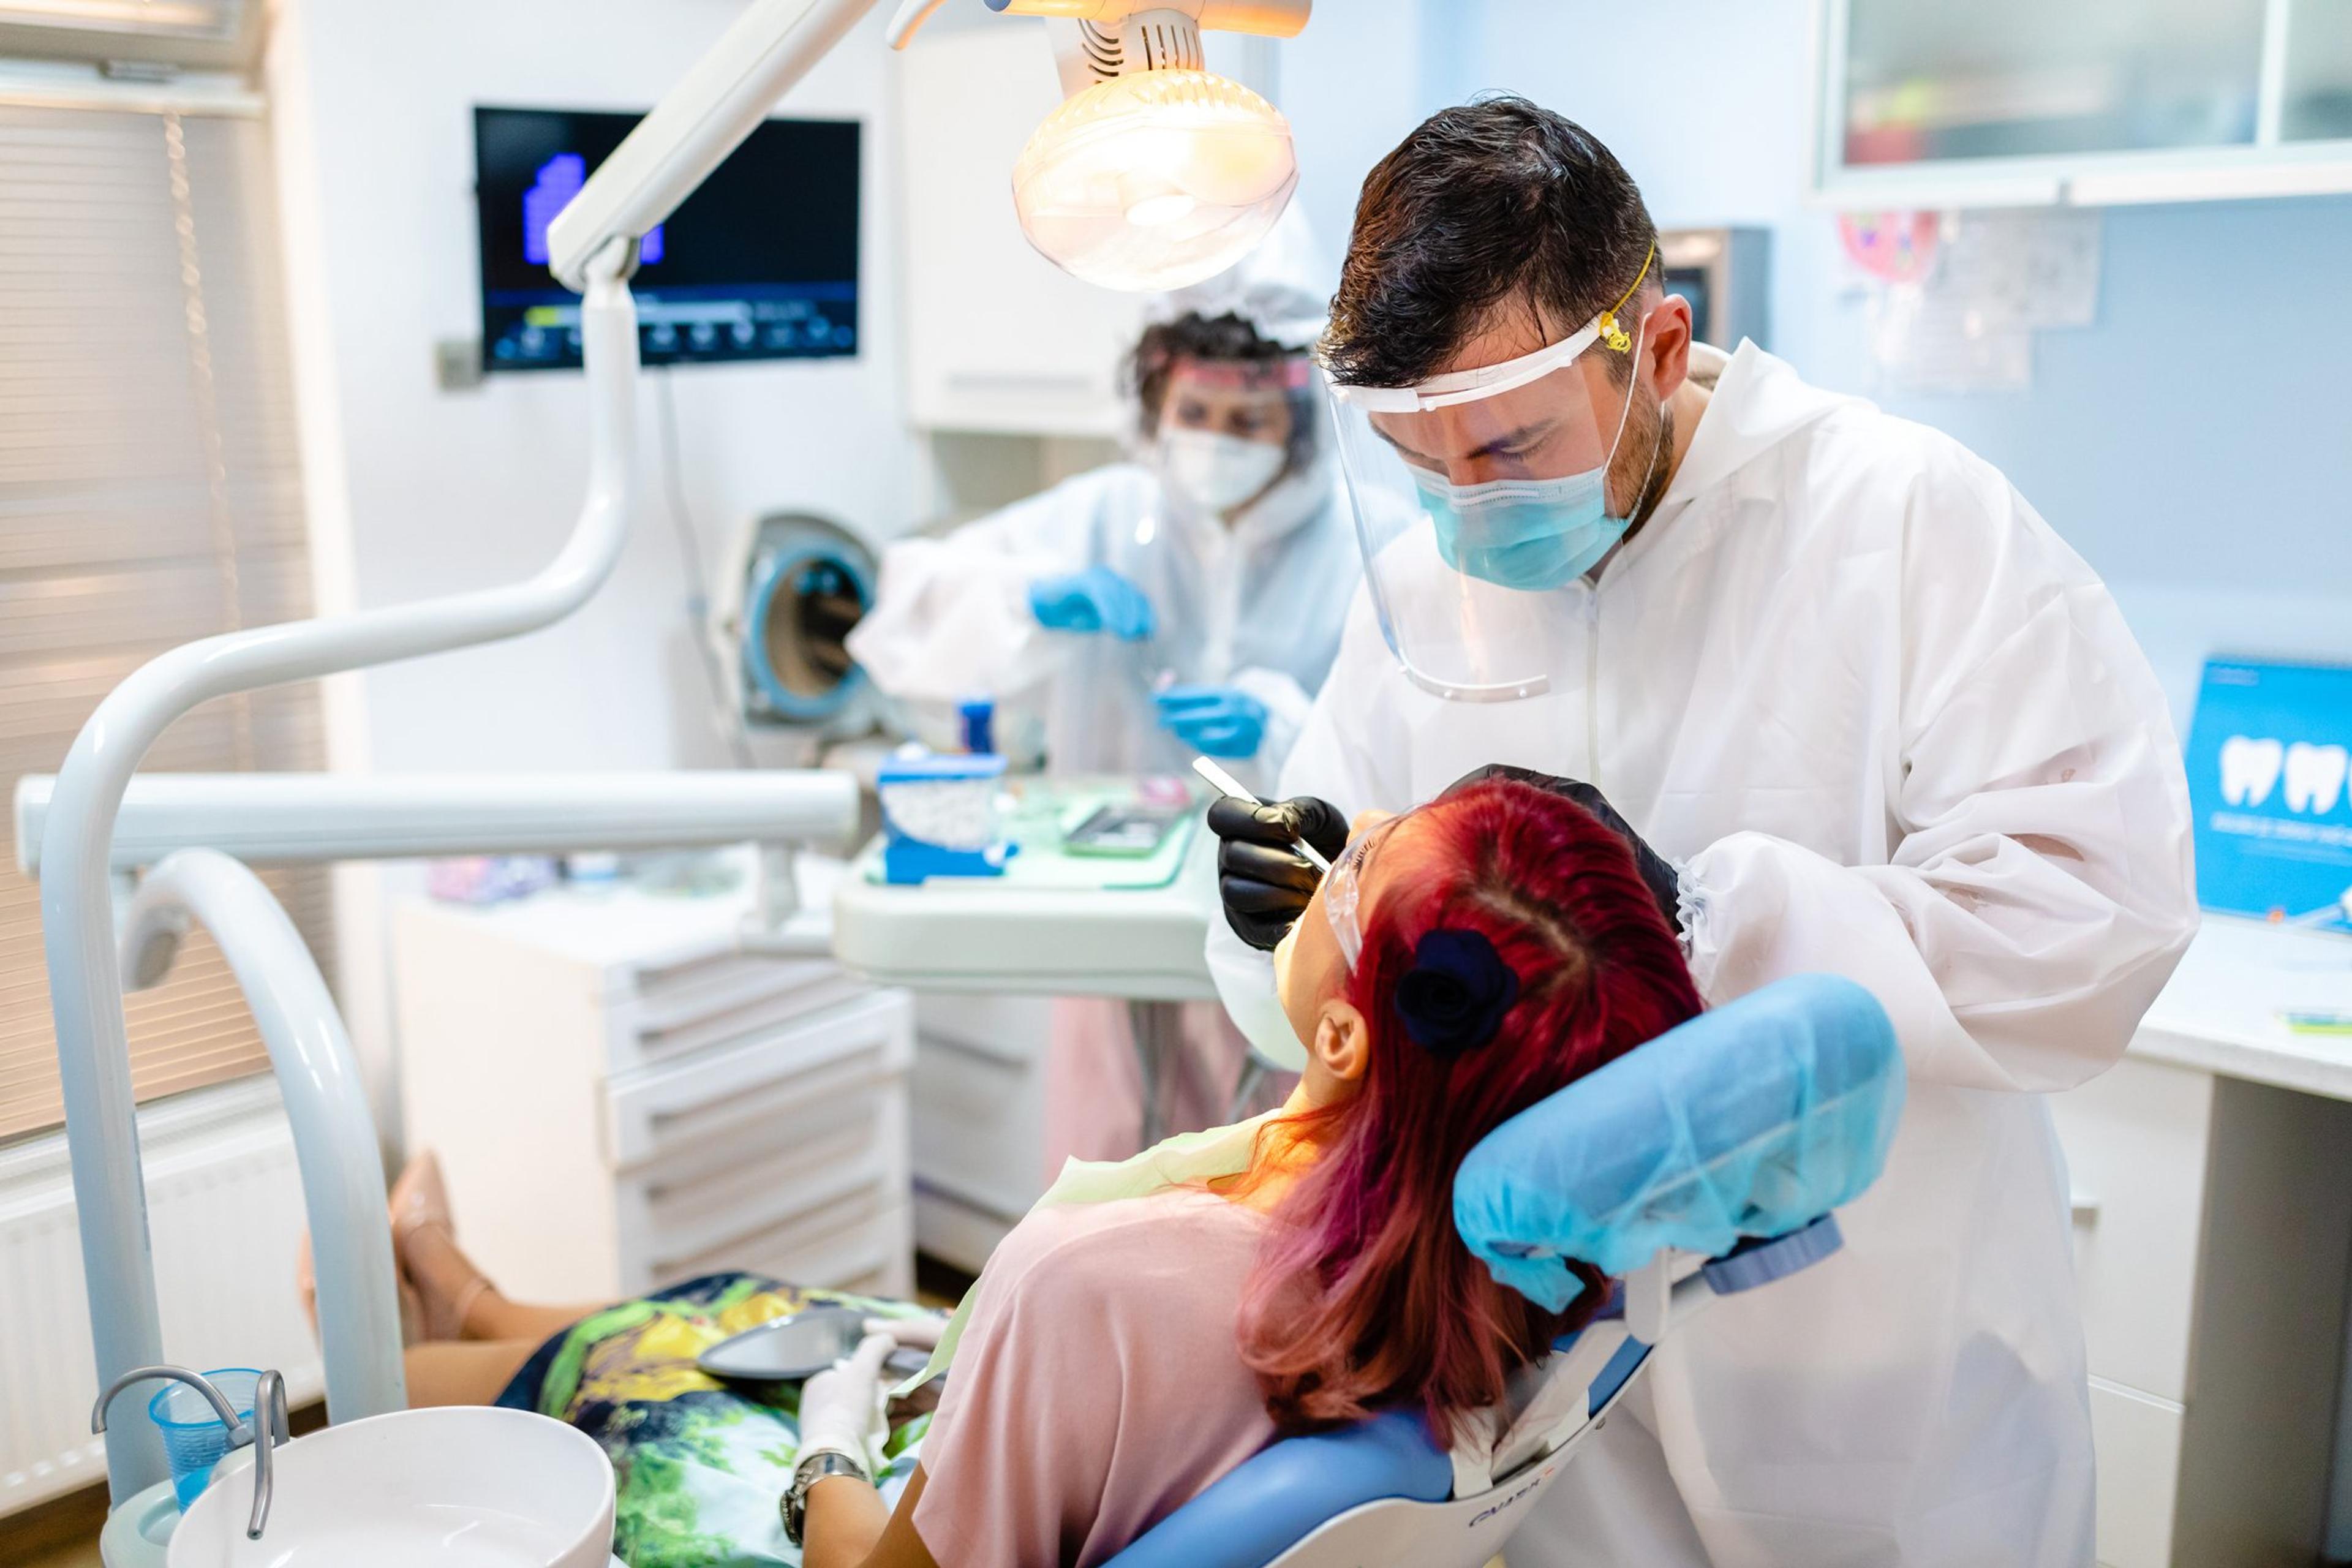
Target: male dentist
column 1869, row 714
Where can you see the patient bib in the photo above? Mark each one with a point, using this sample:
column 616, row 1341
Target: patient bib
column 1187, row 1160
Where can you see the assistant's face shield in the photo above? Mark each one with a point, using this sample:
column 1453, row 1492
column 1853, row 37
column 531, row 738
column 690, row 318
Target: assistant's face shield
column 1478, row 494
column 1230, row 430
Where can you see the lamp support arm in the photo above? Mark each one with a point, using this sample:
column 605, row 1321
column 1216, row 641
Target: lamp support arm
column 698, row 123
column 77, row 925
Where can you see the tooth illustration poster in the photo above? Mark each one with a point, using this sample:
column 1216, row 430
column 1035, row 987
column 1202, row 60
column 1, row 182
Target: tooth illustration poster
column 2267, row 761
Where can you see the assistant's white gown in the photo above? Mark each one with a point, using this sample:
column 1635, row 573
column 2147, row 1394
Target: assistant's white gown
column 1892, row 728
column 1257, row 604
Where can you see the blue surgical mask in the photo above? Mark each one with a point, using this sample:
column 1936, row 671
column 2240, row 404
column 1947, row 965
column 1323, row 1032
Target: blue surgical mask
column 1531, row 535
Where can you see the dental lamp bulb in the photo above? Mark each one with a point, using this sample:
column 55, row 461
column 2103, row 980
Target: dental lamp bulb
column 1154, row 180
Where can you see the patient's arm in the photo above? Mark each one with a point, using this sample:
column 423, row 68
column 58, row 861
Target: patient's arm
column 848, row 1527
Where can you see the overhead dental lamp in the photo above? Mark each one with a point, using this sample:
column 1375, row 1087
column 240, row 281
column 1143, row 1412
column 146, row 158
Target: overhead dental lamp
column 1155, row 173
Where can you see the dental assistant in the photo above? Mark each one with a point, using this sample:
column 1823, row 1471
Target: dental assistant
column 1859, row 710
column 1188, row 600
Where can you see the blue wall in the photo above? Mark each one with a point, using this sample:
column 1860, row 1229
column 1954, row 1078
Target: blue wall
column 2195, row 444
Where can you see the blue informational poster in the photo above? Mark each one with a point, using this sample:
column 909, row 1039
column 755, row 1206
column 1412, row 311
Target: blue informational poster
column 2267, row 759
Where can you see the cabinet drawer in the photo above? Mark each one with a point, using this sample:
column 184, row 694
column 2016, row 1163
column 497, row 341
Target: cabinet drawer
column 979, row 1126
column 853, row 1238
column 1012, row 1029
column 2137, row 1441
column 960, row 1232
column 699, row 1201
column 783, row 1073
column 661, row 1015
column 2136, row 1140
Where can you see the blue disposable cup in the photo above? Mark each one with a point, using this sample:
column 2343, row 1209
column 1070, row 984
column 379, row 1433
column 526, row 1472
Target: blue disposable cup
column 194, row 1438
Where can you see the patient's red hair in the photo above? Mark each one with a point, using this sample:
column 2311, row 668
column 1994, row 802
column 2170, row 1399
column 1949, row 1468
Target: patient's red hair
column 1364, row 1295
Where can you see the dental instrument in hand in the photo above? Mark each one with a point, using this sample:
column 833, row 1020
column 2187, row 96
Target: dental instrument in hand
column 1224, row 782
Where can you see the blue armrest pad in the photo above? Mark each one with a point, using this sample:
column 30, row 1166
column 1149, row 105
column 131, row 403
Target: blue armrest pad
column 1751, row 1120
column 1287, row 1490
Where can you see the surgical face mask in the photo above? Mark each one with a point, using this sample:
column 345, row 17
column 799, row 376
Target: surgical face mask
column 1218, row 473
column 1531, row 535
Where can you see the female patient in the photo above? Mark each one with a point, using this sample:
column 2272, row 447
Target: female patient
column 1122, row 1355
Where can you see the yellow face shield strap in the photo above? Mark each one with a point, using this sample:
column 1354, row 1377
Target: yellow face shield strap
column 1615, row 336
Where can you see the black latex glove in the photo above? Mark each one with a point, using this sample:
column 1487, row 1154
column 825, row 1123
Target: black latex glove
column 1664, row 885
column 1264, row 882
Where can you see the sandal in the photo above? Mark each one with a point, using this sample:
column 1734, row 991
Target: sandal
column 420, row 1204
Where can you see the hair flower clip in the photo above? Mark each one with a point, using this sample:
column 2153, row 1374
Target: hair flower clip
column 1453, row 997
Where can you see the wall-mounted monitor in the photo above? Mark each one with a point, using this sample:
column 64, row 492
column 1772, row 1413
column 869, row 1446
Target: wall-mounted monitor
column 761, row 263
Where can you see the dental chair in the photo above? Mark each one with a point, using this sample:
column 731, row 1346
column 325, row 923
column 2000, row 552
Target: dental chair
column 1705, row 1164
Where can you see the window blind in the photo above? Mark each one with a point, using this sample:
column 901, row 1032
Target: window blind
column 204, row 34
column 149, row 493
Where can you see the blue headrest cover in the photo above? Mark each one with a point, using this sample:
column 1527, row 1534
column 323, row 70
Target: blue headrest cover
column 1752, row 1119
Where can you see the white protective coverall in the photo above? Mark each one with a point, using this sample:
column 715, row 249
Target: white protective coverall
column 1258, row 604
column 1892, row 728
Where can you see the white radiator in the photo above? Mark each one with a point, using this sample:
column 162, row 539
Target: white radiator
column 224, row 1212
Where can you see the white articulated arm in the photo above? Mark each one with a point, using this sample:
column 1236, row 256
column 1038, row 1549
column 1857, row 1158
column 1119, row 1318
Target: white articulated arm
column 296, row 819
column 77, row 907
column 326, row 1105
column 698, row 122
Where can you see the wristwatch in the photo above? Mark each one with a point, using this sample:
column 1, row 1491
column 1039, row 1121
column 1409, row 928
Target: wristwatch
column 812, row 1468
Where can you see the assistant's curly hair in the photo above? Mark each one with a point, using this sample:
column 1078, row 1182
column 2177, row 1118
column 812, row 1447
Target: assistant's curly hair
column 1228, row 338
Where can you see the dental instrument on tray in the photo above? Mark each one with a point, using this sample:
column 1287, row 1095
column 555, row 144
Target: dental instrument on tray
column 791, row 1349
column 1224, row 782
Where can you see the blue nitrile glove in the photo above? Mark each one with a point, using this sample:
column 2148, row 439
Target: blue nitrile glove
column 1095, row 600
column 1223, row 721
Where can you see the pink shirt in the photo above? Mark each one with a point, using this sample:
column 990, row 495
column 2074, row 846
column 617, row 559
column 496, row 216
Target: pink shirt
column 1097, row 1387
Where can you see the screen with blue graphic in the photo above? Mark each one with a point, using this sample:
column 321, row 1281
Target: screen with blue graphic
column 2268, row 756
column 759, row 263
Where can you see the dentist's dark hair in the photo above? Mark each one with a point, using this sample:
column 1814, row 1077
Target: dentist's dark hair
column 1496, row 205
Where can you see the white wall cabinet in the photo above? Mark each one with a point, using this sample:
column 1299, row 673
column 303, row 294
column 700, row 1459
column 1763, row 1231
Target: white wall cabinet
column 622, row 1099
column 998, row 339
column 2210, row 1257
column 2016, row 102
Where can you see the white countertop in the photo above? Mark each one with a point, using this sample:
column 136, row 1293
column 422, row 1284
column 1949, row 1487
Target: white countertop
column 622, row 923
column 2222, row 1011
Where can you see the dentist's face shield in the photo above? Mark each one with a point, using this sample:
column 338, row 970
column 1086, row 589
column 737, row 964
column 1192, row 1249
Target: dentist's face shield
column 1480, row 493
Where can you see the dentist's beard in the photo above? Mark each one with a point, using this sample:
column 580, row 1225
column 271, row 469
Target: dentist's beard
column 1638, row 473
